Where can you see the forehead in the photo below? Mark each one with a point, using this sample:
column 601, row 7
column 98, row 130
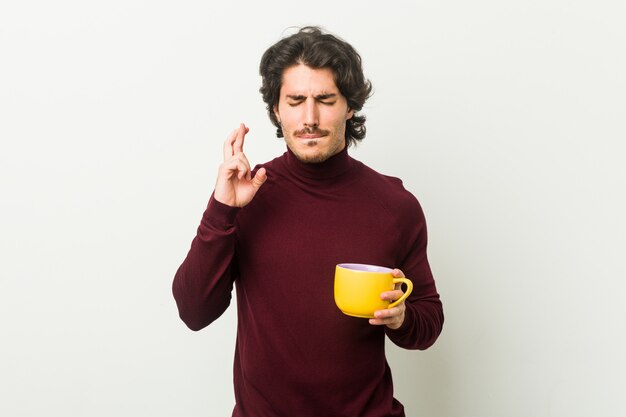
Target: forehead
column 303, row 80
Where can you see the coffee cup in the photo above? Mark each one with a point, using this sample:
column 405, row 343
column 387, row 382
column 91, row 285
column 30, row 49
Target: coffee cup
column 358, row 288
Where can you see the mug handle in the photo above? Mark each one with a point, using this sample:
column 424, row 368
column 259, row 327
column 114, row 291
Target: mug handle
column 409, row 288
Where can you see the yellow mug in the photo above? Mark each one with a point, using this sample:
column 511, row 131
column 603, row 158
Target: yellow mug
column 358, row 288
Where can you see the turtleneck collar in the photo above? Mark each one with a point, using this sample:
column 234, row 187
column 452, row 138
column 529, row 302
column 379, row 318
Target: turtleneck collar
column 333, row 167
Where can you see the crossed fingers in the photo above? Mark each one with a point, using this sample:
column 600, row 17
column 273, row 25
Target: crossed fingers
column 234, row 143
column 234, row 158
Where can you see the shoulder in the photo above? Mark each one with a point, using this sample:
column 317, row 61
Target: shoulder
column 276, row 172
column 276, row 163
column 397, row 204
column 389, row 187
column 276, row 168
column 393, row 198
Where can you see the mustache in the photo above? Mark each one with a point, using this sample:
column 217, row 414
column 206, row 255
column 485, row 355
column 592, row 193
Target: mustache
column 311, row 131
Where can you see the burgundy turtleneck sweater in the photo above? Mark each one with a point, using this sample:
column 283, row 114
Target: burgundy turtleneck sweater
column 296, row 353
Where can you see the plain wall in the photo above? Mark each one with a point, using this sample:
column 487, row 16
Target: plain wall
column 505, row 119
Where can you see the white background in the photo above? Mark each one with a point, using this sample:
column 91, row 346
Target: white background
column 506, row 119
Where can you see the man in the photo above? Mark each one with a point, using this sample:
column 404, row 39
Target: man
column 278, row 231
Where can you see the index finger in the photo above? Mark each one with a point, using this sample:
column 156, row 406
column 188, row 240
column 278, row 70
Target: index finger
column 397, row 273
column 234, row 142
column 228, row 145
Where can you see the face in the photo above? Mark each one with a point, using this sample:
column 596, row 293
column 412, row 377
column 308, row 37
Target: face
column 312, row 113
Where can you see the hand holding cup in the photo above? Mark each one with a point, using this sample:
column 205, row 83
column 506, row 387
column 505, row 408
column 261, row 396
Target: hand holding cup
column 371, row 291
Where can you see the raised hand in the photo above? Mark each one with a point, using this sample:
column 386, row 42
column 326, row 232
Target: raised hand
column 235, row 185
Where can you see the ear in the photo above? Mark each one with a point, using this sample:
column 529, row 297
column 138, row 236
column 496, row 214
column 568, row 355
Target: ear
column 275, row 109
column 349, row 114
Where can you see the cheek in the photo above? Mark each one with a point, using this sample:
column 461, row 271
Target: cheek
column 287, row 116
column 339, row 120
column 337, row 117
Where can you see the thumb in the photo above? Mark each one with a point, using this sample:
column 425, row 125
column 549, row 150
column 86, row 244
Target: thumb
column 259, row 178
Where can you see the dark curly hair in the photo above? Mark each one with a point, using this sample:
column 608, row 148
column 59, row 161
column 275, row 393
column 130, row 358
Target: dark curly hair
column 316, row 49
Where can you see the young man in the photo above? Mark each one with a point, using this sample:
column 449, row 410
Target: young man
column 278, row 231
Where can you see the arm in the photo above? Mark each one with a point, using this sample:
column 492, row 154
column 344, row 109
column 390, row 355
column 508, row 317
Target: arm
column 203, row 284
column 417, row 323
column 423, row 312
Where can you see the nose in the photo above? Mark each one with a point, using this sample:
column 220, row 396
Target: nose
column 311, row 118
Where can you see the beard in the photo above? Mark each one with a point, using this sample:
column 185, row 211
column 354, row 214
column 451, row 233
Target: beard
column 314, row 151
column 307, row 152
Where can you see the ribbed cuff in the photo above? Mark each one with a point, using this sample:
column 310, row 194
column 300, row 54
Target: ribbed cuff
column 219, row 215
column 406, row 326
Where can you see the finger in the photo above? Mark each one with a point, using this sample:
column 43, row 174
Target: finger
column 236, row 169
column 389, row 313
column 385, row 322
column 241, row 134
column 242, row 157
column 390, row 317
column 236, row 165
column 244, row 169
column 391, row 295
column 259, row 178
column 397, row 273
column 394, row 323
column 228, row 145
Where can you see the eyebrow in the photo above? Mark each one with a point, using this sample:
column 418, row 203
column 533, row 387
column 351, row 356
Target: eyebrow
column 298, row 97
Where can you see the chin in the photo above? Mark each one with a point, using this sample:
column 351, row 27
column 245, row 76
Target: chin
column 312, row 158
column 312, row 151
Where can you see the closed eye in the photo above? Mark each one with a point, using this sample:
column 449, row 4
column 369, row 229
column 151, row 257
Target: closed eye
column 295, row 100
column 328, row 99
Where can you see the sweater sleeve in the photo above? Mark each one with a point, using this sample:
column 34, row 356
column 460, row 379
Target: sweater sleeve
column 203, row 284
column 424, row 311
